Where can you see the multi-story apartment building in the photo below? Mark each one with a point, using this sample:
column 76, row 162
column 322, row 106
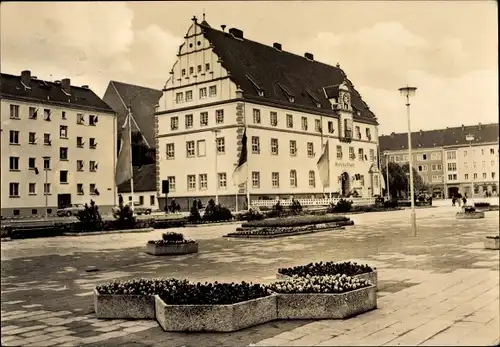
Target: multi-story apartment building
column 57, row 146
column 445, row 160
column 223, row 83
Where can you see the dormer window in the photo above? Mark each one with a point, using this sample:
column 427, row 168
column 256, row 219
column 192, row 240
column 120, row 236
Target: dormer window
column 291, row 99
column 258, row 89
column 289, row 95
column 260, row 93
column 183, row 72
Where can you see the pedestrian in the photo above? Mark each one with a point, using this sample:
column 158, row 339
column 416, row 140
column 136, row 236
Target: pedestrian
column 464, row 200
column 453, row 200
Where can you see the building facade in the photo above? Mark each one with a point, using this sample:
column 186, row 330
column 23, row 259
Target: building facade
column 144, row 188
column 290, row 106
column 56, row 146
column 446, row 161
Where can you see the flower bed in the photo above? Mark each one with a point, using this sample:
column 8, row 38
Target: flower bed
column 470, row 215
column 330, row 268
column 172, row 244
column 323, row 297
column 492, row 242
column 271, row 232
column 295, row 221
column 218, row 307
column 132, row 299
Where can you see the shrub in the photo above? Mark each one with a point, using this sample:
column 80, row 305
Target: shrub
column 294, row 221
column 89, row 218
column 276, row 211
column 319, row 284
column 380, row 201
column 215, row 213
column 481, row 204
column 296, row 207
column 343, row 205
column 171, row 236
column 251, row 215
column 124, row 217
column 194, row 214
column 327, row 269
column 390, row 204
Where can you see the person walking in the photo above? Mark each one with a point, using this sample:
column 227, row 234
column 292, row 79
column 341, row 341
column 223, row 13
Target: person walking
column 464, row 200
column 453, row 200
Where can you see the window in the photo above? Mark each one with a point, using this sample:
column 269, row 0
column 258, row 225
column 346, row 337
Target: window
column 212, row 91
column 79, row 142
column 93, row 120
column 419, row 157
column 484, row 163
column 207, row 66
column 222, row 180
column 312, row 179
column 79, row 189
column 80, row 119
column 452, row 177
column 203, row 181
column 170, row 151
column 451, row 155
column 191, row 70
column 357, row 129
column 14, row 190
column 289, row 121
column 317, row 125
column 46, row 163
column 339, row 152
column 434, row 167
column 219, row 116
column 141, row 200
column 293, row 147
column 482, row 151
column 63, row 153
column 63, row 116
column 204, row 119
column 368, row 134
column 221, row 145
column 492, row 151
column 293, row 178
column 424, row 156
column 201, row 148
column 475, row 176
column 14, row 112
column 14, row 163
column 255, row 145
column 46, row 188
column 466, row 176
column 361, row 155
column 183, row 72
column 310, row 149
column 33, row 113
column 174, row 123
column 275, row 179
column 189, row 95
column 79, row 165
column 189, row 121
column 452, row 166
column 203, row 93
column 14, row 137
column 46, row 114
column 255, row 179
column 437, row 178
column 493, row 175
column 437, row 155
column 190, row 149
column 474, row 164
column 31, row 163
column 465, row 153
column 63, row 176
column 179, row 98
column 303, row 122
column 484, row 175
column 256, row 116
column 273, row 118
column 46, row 140
column 331, row 130
column 391, row 159
column 92, row 166
column 274, row 146
column 466, row 164
column 152, row 200
column 426, row 168
column 92, row 143
column 372, row 155
column 32, row 189
column 352, row 155
column 191, row 180
column 92, row 190
column 492, row 163
column 171, row 183
column 32, row 138
column 63, row 132
column 396, row 159
column 198, row 68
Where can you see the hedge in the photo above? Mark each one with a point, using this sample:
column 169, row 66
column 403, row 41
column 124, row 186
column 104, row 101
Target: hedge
column 294, row 221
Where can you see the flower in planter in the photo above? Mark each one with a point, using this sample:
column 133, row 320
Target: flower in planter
column 326, row 268
column 167, row 242
column 140, row 286
column 319, row 285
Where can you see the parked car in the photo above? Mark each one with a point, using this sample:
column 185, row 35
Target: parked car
column 138, row 210
column 71, row 210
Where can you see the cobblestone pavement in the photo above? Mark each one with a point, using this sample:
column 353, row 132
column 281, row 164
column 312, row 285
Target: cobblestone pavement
column 438, row 288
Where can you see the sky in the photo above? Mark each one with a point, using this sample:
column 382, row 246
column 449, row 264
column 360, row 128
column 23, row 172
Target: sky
column 448, row 49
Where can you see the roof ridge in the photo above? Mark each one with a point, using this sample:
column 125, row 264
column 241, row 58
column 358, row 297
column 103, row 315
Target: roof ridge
column 442, row 129
column 135, row 85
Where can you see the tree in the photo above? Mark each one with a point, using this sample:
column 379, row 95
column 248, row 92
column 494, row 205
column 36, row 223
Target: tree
column 399, row 180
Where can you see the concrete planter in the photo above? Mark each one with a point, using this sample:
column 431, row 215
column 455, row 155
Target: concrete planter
column 215, row 318
column 172, row 249
column 272, row 236
column 121, row 306
column 371, row 277
column 470, row 215
column 491, row 243
column 326, row 306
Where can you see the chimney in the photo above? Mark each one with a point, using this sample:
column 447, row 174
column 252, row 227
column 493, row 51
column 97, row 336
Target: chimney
column 26, row 78
column 393, row 134
column 237, row 33
column 480, row 126
column 277, row 46
column 309, row 56
column 223, row 26
column 66, row 85
column 85, row 86
column 463, row 127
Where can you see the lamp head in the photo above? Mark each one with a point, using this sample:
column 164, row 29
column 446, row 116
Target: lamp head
column 408, row 91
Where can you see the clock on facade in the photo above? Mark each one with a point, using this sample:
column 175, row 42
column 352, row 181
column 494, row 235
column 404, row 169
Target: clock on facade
column 346, row 99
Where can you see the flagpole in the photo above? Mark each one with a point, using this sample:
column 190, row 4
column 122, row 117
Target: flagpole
column 321, row 133
column 248, row 164
column 131, row 161
column 329, row 176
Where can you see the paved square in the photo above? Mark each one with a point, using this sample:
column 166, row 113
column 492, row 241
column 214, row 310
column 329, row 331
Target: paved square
column 438, row 288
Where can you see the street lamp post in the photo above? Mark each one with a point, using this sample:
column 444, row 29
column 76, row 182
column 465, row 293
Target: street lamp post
column 470, row 138
column 216, row 132
column 407, row 92
column 387, row 171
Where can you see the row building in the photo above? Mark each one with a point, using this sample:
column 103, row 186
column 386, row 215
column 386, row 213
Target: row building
column 56, row 147
column 450, row 160
column 223, row 83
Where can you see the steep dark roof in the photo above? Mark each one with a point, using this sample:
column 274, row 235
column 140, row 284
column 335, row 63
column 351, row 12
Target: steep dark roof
column 483, row 133
column 280, row 74
column 144, row 180
column 51, row 93
column 142, row 100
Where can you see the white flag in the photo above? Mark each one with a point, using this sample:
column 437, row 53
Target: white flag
column 124, row 164
column 324, row 166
